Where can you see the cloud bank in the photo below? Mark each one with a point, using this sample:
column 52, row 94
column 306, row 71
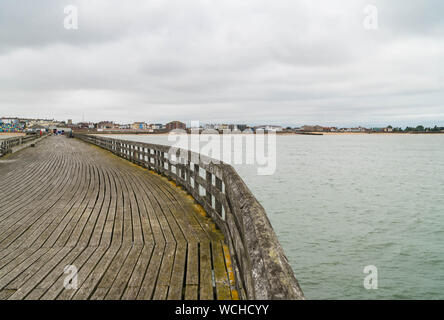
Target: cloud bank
column 254, row 61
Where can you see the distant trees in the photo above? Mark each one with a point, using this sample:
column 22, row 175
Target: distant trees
column 421, row 128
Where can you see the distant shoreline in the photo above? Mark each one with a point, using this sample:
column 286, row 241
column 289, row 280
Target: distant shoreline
column 288, row 133
column 16, row 134
column 377, row 133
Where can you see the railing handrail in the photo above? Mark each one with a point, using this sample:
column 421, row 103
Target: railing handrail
column 8, row 143
column 259, row 262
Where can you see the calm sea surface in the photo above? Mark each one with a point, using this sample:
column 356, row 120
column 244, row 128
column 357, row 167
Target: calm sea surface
column 340, row 203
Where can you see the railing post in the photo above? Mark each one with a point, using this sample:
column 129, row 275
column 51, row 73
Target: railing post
column 158, row 161
column 183, row 173
column 162, row 162
column 169, row 165
column 218, row 205
column 143, row 161
column 186, row 170
column 149, row 164
column 207, row 187
column 135, row 154
column 180, row 168
column 195, row 175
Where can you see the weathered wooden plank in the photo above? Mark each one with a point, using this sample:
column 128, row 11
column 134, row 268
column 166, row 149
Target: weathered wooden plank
column 130, row 233
column 6, row 293
column 15, row 268
column 51, row 287
column 178, row 272
column 119, row 284
column 136, row 279
column 164, row 278
column 191, row 292
column 28, row 284
column 192, row 276
column 149, row 282
column 96, row 268
column 206, row 277
column 222, row 283
column 35, row 267
column 230, row 273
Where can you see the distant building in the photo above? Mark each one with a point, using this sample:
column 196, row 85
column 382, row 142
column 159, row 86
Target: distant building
column 85, row 125
column 70, row 122
column 106, row 125
column 269, row 128
column 9, row 120
column 12, row 125
column 218, row 126
column 157, row 126
column 358, row 129
column 176, row 125
column 312, row 128
column 222, row 127
column 139, row 126
column 40, row 122
column 240, row 127
column 60, row 130
column 36, row 128
column 125, row 126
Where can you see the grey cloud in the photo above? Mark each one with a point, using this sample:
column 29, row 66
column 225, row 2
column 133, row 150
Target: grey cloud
column 291, row 62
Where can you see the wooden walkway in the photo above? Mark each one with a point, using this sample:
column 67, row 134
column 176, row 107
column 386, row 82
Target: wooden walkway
column 130, row 233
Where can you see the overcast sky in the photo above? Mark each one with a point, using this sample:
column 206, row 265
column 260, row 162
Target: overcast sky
column 288, row 62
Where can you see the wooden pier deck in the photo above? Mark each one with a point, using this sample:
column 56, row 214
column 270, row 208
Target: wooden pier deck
column 130, row 233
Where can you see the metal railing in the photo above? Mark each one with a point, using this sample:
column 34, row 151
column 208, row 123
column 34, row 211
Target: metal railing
column 260, row 265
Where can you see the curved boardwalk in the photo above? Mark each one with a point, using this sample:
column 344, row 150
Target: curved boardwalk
column 130, row 233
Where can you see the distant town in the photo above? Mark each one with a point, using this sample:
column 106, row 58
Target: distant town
column 24, row 125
